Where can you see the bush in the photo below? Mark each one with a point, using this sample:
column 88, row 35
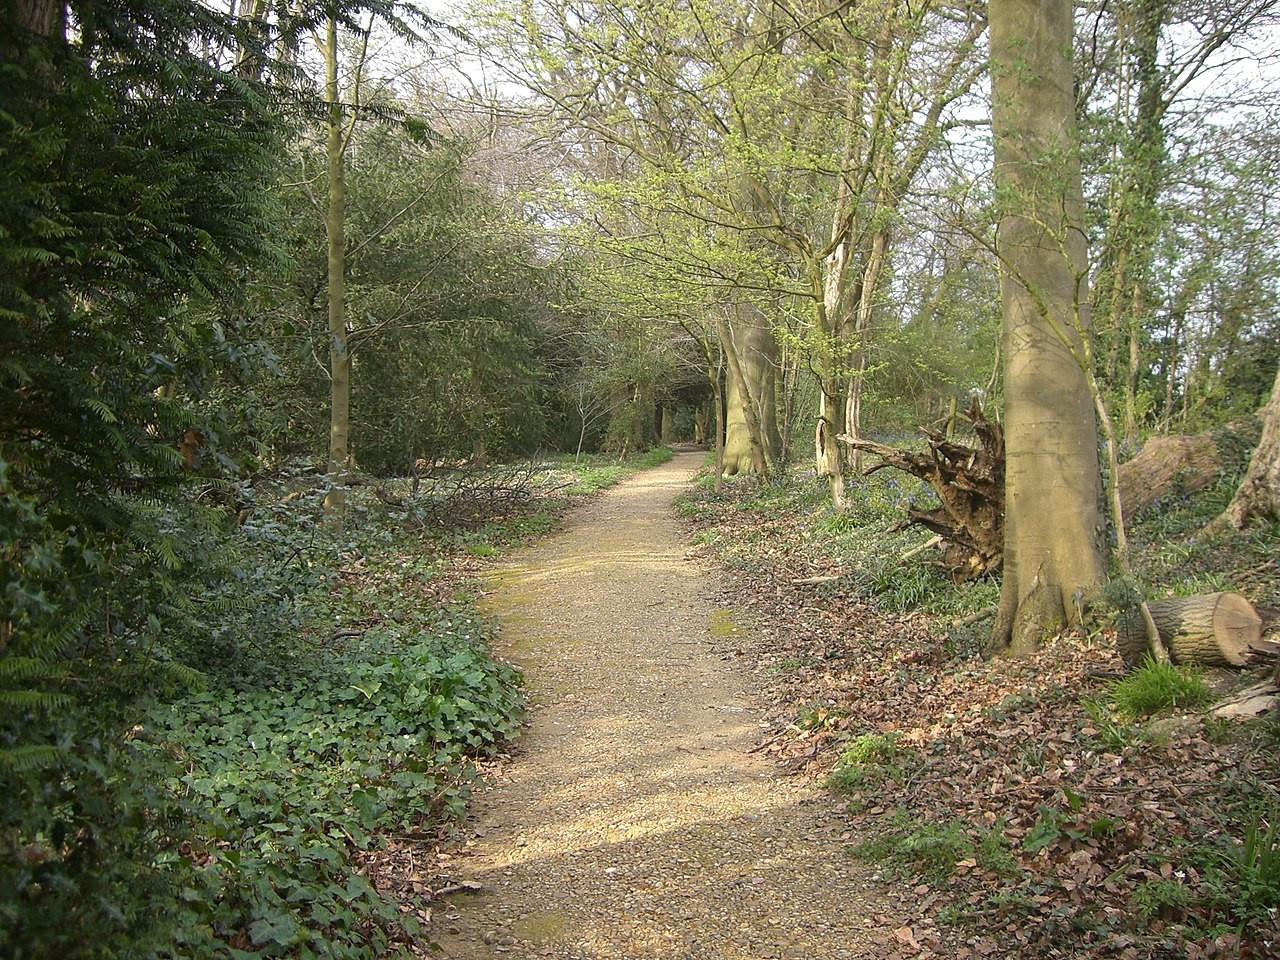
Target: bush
column 240, row 753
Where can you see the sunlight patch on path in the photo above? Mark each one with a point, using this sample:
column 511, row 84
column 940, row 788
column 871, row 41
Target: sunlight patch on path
column 632, row 821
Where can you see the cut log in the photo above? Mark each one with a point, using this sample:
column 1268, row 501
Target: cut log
column 1212, row 630
column 1167, row 465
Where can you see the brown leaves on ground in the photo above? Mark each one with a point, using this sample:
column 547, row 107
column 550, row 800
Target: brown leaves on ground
column 1072, row 833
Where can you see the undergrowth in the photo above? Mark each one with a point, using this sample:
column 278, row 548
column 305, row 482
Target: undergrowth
column 908, row 848
column 1157, row 686
column 1040, row 799
column 868, row 554
column 263, row 717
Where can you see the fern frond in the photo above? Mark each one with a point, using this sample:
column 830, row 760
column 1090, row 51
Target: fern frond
column 30, row 757
column 14, row 701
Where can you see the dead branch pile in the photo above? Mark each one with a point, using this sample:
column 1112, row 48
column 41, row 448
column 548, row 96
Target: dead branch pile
column 467, row 500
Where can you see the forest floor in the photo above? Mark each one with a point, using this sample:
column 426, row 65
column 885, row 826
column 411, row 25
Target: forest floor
column 1049, row 806
column 757, row 731
column 634, row 820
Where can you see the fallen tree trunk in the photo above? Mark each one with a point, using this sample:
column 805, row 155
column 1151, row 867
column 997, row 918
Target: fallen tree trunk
column 1212, row 630
column 969, row 483
column 1181, row 464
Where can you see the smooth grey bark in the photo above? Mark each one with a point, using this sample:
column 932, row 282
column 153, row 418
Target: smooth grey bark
column 751, row 394
column 1052, row 484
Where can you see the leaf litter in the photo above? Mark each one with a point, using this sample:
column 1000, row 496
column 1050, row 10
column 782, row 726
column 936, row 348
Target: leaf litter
column 1094, row 835
column 1064, row 815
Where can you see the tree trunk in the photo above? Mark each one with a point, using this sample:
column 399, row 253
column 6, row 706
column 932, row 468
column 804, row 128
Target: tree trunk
column 717, row 395
column 868, row 286
column 853, row 404
column 339, row 353
column 829, row 282
column 1052, row 485
column 44, row 18
column 1186, row 462
column 752, row 443
column 1212, row 630
column 830, row 427
column 1258, row 497
column 479, row 452
column 1144, row 173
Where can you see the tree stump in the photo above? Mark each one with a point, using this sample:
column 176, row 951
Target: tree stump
column 1212, row 630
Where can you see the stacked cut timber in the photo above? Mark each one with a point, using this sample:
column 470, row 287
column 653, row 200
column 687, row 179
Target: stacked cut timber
column 1213, row 630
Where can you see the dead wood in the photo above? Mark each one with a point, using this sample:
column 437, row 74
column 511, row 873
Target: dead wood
column 1259, row 698
column 921, row 548
column 1214, row 629
column 969, row 483
column 1167, row 465
column 975, row 617
column 813, row 581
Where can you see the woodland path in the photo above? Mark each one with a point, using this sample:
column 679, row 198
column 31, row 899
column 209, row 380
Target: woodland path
column 632, row 821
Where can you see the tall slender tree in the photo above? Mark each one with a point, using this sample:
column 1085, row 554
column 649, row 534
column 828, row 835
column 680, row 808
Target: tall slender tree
column 338, row 127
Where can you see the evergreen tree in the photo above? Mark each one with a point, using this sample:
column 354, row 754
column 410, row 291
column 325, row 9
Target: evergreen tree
column 132, row 167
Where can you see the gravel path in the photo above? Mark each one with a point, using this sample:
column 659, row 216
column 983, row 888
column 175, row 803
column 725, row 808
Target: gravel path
column 632, row 822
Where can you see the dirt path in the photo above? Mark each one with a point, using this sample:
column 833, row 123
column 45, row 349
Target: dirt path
column 633, row 823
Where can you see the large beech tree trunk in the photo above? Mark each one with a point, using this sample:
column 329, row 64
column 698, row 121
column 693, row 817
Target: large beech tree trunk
column 1259, row 494
column 752, row 441
column 1052, row 485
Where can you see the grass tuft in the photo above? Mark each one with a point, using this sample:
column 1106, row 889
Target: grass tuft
column 932, row 850
column 1159, row 686
column 870, row 761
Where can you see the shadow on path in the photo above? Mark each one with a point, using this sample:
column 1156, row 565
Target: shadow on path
column 632, row 821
